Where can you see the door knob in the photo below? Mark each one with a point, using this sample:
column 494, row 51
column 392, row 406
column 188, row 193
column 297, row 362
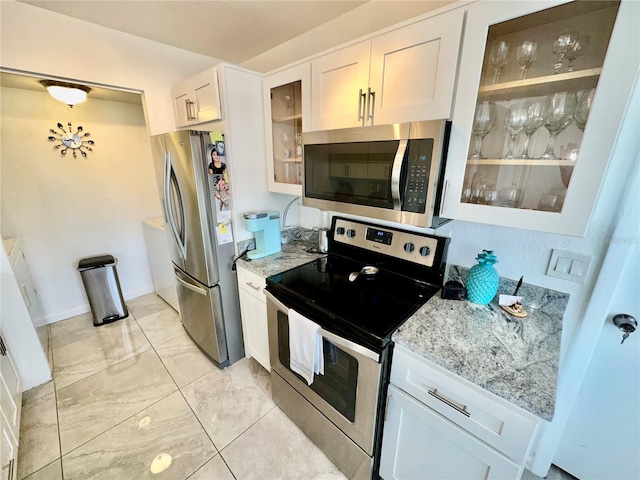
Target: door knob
column 626, row 323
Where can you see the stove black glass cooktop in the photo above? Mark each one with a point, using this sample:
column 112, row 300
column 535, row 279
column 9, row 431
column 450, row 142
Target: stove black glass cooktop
column 367, row 310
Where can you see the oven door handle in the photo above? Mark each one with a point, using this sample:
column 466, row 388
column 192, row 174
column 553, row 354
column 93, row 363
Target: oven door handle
column 395, row 174
column 332, row 337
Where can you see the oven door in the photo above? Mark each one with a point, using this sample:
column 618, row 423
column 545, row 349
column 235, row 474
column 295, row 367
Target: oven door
column 347, row 393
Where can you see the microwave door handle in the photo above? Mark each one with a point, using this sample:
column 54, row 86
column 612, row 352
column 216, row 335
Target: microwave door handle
column 395, row 174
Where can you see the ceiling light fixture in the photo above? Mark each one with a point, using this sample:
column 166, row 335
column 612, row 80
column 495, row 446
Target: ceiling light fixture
column 68, row 93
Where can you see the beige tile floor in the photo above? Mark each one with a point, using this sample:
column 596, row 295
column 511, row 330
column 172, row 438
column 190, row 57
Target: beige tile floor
column 136, row 399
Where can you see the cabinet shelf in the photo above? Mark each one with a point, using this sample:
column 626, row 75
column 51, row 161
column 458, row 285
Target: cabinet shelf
column 521, row 161
column 288, row 160
column 540, row 86
column 287, row 118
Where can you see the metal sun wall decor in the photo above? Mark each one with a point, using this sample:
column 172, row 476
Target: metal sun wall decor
column 71, row 140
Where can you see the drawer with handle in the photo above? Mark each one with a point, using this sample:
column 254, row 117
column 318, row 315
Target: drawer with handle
column 251, row 283
column 490, row 418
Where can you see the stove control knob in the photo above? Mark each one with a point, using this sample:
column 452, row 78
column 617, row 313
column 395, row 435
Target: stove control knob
column 340, row 230
column 351, row 233
column 425, row 251
column 409, row 247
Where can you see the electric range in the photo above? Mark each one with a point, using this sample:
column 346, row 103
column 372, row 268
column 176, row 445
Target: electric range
column 372, row 280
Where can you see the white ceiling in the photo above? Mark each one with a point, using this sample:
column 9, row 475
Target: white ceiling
column 232, row 31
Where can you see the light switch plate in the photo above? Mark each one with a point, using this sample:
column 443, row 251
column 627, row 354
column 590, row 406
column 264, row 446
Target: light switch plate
column 569, row 265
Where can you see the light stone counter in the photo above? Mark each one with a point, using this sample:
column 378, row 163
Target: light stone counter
column 514, row 358
column 293, row 254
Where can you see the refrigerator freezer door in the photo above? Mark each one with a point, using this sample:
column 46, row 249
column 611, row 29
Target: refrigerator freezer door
column 201, row 312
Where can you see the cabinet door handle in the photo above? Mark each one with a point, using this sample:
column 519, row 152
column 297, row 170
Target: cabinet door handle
column 253, row 286
column 443, row 200
column 371, row 106
column 386, row 408
column 462, row 409
column 361, row 106
column 25, row 294
column 186, row 107
column 190, row 115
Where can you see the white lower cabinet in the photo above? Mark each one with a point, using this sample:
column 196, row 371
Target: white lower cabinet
column 10, row 409
column 419, row 443
column 439, row 426
column 253, row 307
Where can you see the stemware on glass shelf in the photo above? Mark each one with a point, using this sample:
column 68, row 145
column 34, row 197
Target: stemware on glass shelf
column 287, row 100
column 478, row 185
column 511, row 196
column 578, row 49
column 526, row 54
column 557, row 114
column 565, row 41
column 532, row 121
column 499, row 52
column 514, row 124
column 483, row 121
column 582, row 109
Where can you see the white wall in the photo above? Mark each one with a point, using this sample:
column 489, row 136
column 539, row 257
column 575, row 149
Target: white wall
column 36, row 40
column 64, row 208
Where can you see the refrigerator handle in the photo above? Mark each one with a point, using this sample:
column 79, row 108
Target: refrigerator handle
column 168, row 207
column 189, row 285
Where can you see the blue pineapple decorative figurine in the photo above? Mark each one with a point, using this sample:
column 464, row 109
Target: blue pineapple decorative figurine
column 483, row 279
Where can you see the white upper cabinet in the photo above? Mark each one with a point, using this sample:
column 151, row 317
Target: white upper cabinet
column 287, row 107
column 197, row 99
column 404, row 75
column 542, row 90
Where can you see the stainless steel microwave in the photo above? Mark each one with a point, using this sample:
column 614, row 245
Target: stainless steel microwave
column 387, row 172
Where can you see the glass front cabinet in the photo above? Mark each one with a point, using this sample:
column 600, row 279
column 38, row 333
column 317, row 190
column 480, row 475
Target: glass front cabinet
column 287, row 104
column 542, row 89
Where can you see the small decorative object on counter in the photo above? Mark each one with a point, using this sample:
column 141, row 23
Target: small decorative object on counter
column 482, row 280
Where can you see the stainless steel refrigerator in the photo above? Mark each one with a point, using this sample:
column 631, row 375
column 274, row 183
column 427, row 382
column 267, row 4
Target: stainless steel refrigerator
column 200, row 243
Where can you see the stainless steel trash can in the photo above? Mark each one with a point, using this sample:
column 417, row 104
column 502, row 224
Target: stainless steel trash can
column 101, row 283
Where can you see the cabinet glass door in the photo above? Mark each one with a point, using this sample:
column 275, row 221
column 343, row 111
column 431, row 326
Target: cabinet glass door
column 538, row 81
column 286, row 128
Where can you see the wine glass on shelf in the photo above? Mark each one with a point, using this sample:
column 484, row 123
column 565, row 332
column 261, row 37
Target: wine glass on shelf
column 582, row 109
column 483, row 121
column 526, row 54
column 565, row 41
column 498, row 57
column 532, row 121
column 557, row 114
column 578, row 49
column 514, row 124
column 287, row 100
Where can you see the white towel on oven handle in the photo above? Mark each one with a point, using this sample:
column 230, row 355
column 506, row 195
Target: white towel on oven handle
column 305, row 346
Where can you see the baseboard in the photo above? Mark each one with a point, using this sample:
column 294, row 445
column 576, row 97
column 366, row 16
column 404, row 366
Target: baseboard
column 85, row 308
column 63, row 315
column 138, row 293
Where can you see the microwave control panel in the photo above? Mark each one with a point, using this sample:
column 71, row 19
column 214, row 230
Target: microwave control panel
column 418, row 170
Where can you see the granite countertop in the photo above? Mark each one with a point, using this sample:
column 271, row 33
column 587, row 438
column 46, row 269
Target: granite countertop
column 292, row 255
column 514, row 358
